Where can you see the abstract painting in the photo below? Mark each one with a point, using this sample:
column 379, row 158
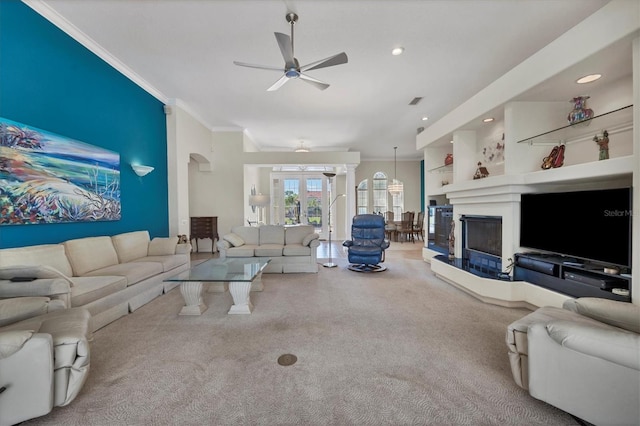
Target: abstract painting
column 48, row 178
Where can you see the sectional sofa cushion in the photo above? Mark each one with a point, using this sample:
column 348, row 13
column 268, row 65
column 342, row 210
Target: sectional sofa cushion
column 90, row 253
column 132, row 245
column 296, row 250
column 168, row 262
column 242, row 251
column 249, row 234
column 271, row 234
column 52, row 255
column 297, row 234
column 268, row 250
column 162, row 246
column 90, row 289
column 134, row 272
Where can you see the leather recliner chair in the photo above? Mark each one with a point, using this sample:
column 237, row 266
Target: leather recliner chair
column 583, row 359
column 44, row 356
column 368, row 243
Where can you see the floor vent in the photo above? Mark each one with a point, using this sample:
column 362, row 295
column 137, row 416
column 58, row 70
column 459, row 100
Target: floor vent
column 287, row 359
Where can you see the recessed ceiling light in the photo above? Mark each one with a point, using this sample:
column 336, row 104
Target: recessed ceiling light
column 588, row 78
column 397, row 51
column 425, row 118
column 488, row 120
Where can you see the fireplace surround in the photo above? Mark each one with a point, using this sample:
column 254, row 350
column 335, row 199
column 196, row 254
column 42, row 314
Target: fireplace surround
column 482, row 244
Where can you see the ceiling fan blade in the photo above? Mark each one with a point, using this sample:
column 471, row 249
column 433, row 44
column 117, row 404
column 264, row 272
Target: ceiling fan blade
column 278, row 84
column 284, row 41
column 262, row 67
column 340, row 58
column 314, row 82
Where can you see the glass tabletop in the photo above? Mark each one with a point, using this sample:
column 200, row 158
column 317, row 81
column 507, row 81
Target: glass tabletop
column 229, row 269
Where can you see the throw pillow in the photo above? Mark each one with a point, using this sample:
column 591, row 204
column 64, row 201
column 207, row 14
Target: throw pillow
column 234, row 240
column 35, row 271
column 162, row 246
column 307, row 240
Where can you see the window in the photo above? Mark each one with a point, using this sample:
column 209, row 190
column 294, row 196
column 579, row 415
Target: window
column 380, row 198
column 363, row 197
column 398, row 204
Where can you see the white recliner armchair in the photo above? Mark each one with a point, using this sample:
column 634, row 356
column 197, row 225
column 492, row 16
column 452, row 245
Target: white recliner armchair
column 44, row 356
column 583, row 359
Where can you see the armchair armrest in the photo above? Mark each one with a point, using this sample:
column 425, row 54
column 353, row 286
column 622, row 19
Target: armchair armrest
column 26, row 373
column 54, row 288
column 615, row 346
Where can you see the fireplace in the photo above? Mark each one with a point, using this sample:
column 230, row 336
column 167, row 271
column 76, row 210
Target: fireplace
column 482, row 244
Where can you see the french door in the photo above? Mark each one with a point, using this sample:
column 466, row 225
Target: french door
column 301, row 199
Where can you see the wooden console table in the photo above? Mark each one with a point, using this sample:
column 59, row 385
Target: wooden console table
column 204, row 227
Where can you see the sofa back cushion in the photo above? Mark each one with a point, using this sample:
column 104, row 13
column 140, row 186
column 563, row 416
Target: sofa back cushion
column 296, row 234
column 271, row 234
column 52, row 255
column 249, row 234
column 131, row 245
column 89, row 254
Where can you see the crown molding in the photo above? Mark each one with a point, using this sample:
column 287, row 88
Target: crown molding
column 74, row 32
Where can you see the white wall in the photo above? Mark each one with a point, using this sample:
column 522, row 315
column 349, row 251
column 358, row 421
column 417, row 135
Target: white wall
column 185, row 137
column 408, row 172
column 221, row 191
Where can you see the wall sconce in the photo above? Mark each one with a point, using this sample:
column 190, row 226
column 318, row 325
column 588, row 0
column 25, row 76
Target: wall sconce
column 141, row 170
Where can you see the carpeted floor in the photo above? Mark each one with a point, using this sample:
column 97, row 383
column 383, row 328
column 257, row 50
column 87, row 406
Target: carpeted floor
column 399, row 347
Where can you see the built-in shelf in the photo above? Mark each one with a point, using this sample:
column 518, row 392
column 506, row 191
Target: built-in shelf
column 442, row 169
column 616, row 121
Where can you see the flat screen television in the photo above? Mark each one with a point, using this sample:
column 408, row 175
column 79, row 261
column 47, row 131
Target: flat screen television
column 592, row 225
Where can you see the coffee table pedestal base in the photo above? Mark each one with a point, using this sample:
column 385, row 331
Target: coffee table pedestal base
column 192, row 294
column 240, row 294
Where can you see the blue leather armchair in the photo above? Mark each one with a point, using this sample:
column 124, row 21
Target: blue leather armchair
column 368, row 243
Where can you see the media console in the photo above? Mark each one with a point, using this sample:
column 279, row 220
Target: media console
column 571, row 276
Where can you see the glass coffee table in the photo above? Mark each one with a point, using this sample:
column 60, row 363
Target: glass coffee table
column 242, row 274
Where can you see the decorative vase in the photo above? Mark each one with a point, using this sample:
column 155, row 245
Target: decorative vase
column 580, row 112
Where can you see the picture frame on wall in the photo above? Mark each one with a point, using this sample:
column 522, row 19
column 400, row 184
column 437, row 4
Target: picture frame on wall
column 49, row 178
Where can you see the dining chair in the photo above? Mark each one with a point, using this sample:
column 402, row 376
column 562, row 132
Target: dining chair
column 390, row 228
column 405, row 231
column 418, row 227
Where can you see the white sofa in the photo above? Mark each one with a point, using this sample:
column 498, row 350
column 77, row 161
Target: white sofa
column 291, row 248
column 109, row 276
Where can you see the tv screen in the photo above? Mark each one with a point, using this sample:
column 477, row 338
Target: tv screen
column 593, row 225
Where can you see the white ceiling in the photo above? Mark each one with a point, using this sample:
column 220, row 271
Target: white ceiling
column 184, row 50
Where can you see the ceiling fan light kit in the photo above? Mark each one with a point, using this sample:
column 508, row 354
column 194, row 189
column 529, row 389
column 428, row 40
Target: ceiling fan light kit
column 292, row 68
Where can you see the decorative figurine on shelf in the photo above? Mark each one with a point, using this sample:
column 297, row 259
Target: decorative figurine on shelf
column 448, row 160
column 603, row 144
column 481, row 172
column 555, row 158
column 452, row 241
column 580, row 111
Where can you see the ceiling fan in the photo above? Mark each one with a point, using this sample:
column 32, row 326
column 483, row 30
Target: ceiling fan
column 292, row 68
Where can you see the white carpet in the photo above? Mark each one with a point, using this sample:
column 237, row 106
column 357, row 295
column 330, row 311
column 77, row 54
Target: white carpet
column 399, row 347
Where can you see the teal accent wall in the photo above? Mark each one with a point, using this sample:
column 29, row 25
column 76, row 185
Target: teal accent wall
column 50, row 81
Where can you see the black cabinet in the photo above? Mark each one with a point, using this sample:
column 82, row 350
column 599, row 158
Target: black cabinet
column 440, row 225
column 571, row 276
